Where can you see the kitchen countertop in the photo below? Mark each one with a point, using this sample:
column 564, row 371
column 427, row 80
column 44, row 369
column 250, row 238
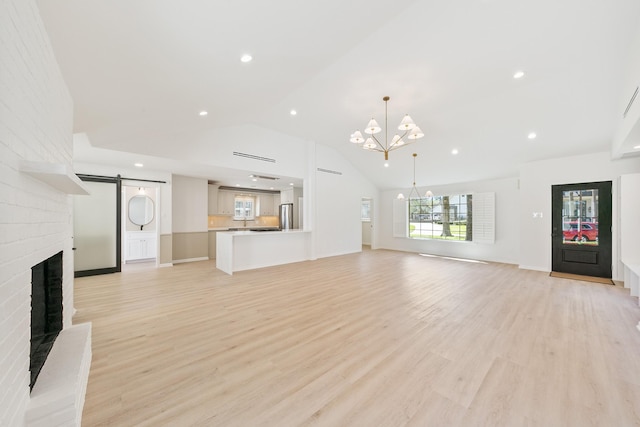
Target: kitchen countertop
column 249, row 232
column 239, row 228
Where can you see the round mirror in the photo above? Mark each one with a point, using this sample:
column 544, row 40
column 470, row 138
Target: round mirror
column 141, row 210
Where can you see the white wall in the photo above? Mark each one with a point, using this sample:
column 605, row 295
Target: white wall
column 216, row 148
column 505, row 248
column 190, row 204
column 337, row 227
column 536, row 179
column 631, row 80
column 629, row 216
column 36, row 117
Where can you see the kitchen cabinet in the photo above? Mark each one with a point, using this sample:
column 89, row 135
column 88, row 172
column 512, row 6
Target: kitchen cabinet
column 226, row 200
column 286, row 196
column 276, row 204
column 266, row 205
column 141, row 245
column 213, row 199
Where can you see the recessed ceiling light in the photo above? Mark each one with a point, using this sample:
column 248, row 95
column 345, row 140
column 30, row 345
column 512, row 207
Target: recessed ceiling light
column 518, row 75
column 138, row 165
column 291, row 183
column 203, row 113
column 270, row 188
column 246, row 58
column 386, row 165
column 254, row 179
column 454, row 151
column 237, row 185
column 637, row 147
column 532, row 135
column 293, row 112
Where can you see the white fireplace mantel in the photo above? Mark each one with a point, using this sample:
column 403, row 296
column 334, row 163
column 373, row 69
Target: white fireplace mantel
column 57, row 175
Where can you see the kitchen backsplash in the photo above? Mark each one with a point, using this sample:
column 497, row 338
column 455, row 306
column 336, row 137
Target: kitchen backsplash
column 219, row 221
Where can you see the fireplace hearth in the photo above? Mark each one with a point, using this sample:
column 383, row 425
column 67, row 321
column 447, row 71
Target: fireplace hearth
column 46, row 311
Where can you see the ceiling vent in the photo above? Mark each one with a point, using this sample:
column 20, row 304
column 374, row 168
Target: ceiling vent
column 633, row 98
column 248, row 190
column 329, row 171
column 254, row 157
column 271, row 178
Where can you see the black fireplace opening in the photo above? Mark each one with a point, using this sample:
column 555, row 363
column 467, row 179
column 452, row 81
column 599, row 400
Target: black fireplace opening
column 46, row 311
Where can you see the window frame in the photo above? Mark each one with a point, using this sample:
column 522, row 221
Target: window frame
column 244, row 199
column 363, row 217
column 430, row 210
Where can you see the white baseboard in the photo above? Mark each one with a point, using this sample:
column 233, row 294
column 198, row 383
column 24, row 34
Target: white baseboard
column 528, row 267
column 179, row 261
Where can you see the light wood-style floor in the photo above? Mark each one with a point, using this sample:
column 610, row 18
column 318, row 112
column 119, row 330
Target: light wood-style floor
column 379, row 338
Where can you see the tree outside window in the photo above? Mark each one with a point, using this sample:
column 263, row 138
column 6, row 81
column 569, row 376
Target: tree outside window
column 441, row 217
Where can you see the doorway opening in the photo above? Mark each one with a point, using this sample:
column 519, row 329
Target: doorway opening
column 366, row 217
column 139, row 226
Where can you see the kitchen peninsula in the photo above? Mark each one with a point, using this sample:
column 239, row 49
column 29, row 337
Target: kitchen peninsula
column 246, row 250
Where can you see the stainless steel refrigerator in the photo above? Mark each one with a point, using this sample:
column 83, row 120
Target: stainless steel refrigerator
column 286, row 216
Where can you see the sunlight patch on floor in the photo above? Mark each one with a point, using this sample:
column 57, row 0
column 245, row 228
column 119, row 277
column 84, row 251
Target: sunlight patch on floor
column 474, row 261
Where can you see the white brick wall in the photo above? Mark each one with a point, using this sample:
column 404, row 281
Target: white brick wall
column 35, row 219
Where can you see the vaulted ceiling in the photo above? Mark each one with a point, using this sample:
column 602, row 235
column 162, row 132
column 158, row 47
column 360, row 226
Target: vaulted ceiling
column 141, row 71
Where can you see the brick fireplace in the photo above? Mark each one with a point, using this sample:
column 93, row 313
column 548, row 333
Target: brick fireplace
column 60, row 358
column 36, row 119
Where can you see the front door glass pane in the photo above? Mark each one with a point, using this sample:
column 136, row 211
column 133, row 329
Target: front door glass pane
column 580, row 217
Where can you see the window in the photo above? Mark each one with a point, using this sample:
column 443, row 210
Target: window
column 244, row 207
column 441, row 217
column 365, row 210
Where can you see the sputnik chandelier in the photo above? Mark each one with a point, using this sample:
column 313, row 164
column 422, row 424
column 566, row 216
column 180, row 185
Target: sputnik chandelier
column 409, row 128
